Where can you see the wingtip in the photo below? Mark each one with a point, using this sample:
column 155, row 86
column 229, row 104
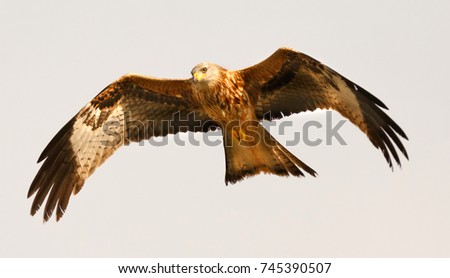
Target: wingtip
column 29, row 194
column 41, row 158
column 59, row 213
column 33, row 212
column 405, row 153
column 47, row 215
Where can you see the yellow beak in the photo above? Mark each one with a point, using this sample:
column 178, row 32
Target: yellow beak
column 198, row 76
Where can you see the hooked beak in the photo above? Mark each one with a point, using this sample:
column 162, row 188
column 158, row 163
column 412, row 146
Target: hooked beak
column 198, row 76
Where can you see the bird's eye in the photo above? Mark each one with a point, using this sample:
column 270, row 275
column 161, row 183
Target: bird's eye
column 204, row 69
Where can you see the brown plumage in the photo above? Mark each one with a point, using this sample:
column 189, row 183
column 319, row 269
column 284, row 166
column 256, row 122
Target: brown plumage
column 136, row 108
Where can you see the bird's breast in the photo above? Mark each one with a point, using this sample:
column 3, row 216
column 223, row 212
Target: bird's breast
column 225, row 102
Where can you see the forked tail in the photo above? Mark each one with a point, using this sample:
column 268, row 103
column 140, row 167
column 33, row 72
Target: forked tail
column 253, row 150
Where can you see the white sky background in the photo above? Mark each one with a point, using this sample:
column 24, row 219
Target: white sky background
column 172, row 201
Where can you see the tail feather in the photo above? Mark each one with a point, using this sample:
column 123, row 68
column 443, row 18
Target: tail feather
column 266, row 155
column 296, row 162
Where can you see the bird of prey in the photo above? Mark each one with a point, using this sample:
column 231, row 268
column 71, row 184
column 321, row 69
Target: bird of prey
column 137, row 107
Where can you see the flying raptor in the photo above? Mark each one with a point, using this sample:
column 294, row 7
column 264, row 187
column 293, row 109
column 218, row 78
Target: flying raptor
column 137, row 107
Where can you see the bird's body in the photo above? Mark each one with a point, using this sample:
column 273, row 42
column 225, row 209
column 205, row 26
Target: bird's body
column 136, row 108
column 249, row 148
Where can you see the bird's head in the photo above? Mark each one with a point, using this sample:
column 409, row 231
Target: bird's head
column 206, row 73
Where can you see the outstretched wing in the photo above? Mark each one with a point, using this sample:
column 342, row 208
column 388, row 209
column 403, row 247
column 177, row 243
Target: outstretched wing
column 291, row 82
column 133, row 108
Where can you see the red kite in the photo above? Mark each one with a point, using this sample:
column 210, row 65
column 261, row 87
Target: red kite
column 137, row 107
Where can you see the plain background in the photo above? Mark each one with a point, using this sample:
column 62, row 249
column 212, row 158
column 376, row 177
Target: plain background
column 172, row 201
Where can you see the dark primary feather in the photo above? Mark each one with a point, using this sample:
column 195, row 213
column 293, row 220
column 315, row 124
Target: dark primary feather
column 132, row 109
column 291, row 82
